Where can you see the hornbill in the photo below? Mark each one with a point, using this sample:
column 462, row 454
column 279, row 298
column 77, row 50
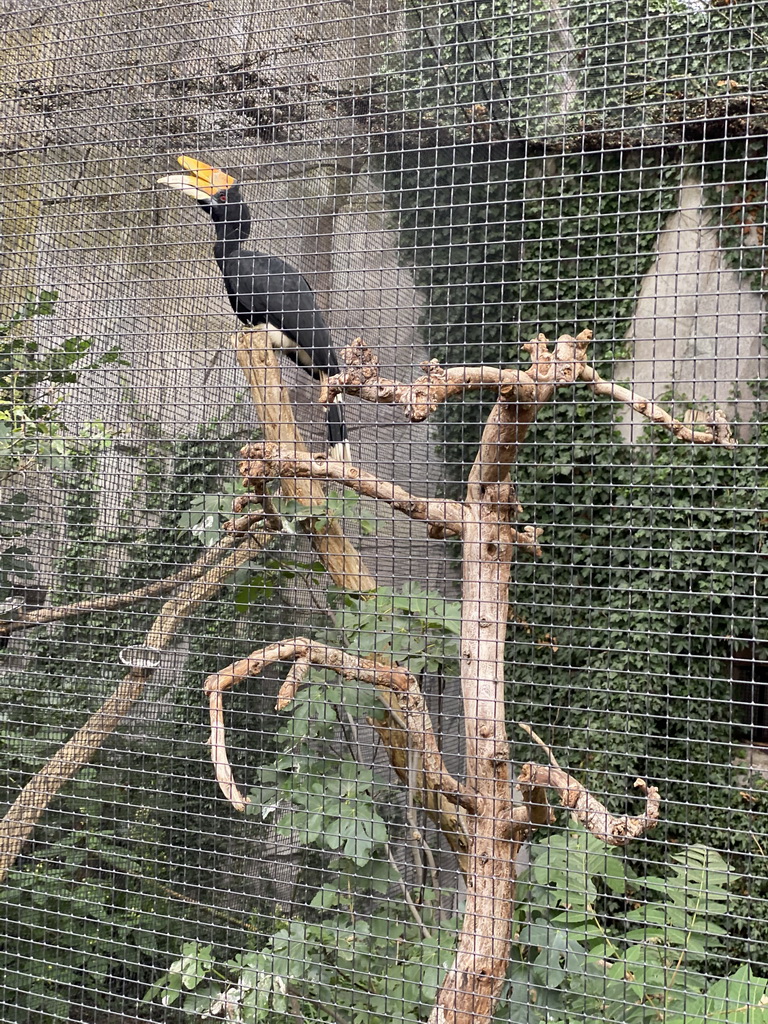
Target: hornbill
column 264, row 289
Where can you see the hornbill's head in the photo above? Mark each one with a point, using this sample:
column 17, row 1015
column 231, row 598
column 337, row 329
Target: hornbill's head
column 217, row 192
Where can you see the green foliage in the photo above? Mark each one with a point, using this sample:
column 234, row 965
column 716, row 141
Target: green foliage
column 69, row 918
column 16, row 568
column 737, row 193
column 625, row 631
column 355, row 950
column 598, row 942
column 111, row 903
column 32, row 381
column 416, row 627
column 33, row 434
column 369, row 964
column 660, row 536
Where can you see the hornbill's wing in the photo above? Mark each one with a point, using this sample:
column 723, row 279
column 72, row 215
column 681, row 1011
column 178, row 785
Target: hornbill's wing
column 265, row 288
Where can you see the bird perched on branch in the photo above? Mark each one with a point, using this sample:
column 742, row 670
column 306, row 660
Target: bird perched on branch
column 264, row 289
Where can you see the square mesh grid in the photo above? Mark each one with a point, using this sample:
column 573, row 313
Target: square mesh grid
column 389, row 465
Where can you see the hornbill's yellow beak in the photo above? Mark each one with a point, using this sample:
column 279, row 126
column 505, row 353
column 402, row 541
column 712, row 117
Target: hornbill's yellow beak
column 202, row 182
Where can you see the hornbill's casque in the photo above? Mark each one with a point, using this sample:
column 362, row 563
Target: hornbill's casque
column 264, row 289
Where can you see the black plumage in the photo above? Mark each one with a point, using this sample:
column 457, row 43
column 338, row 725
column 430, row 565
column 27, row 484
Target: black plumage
column 262, row 288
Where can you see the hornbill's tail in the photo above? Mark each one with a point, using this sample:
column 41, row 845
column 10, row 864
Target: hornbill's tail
column 337, row 431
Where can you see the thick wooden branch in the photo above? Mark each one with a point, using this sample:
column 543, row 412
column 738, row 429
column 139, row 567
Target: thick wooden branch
column 472, row 984
column 258, row 362
column 236, row 529
column 407, row 730
column 444, row 518
column 561, row 364
column 20, row 819
column 269, row 461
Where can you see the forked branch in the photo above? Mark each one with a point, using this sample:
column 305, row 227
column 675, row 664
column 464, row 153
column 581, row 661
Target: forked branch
column 561, row 364
column 406, row 729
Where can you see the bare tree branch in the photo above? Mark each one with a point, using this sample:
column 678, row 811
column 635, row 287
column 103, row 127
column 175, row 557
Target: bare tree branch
column 20, row 819
column 563, row 364
column 444, row 518
column 422, row 397
column 719, row 432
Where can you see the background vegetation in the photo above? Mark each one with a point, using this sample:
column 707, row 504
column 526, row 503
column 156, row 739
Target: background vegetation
column 629, row 631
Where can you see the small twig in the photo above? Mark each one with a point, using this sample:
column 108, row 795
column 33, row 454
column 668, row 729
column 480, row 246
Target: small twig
column 538, row 740
column 407, row 896
column 332, row 1011
column 411, row 817
column 431, row 864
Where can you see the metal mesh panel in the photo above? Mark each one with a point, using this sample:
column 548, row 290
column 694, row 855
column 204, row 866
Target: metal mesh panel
column 382, row 510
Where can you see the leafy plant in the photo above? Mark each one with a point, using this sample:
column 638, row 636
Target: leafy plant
column 32, row 382
column 90, row 894
column 16, row 568
column 33, row 433
column 416, row 627
column 598, row 942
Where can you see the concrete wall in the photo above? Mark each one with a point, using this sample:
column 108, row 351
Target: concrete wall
column 698, row 326
column 98, row 99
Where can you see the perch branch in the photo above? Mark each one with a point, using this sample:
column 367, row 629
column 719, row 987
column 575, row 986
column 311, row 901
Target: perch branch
column 422, row 397
column 258, row 362
column 444, row 518
column 410, row 727
column 20, row 819
column 472, row 984
column 719, row 431
column 111, row 602
column 561, row 364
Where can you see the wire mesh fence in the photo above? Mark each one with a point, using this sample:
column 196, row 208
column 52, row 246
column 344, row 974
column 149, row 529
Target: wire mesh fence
column 382, row 511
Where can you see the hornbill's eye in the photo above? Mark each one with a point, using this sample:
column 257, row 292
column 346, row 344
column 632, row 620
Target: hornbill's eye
column 221, row 197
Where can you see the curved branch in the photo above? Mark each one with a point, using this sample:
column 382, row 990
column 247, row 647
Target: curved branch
column 587, row 809
column 407, row 728
column 28, row 807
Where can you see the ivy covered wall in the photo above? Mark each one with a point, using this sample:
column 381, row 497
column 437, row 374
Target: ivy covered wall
column 626, row 629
